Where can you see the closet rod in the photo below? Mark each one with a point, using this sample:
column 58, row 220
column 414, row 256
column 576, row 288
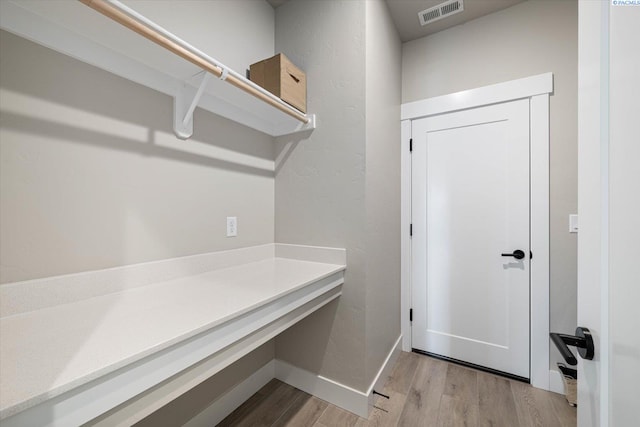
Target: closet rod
column 131, row 19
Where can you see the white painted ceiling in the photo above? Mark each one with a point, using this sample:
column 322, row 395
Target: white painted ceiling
column 405, row 14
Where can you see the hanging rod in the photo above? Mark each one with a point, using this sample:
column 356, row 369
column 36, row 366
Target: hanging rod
column 131, row 19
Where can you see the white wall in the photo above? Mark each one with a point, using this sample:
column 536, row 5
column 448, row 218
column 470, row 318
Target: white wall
column 529, row 38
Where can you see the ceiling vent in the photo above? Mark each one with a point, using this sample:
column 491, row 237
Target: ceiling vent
column 440, row 11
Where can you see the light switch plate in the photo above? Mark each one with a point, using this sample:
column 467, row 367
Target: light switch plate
column 573, row 223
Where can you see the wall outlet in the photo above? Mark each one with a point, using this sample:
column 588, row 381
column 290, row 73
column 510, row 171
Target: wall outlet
column 232, row 226
column 573, row 223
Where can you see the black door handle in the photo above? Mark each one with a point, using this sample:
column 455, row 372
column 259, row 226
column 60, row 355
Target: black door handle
column 581, row 340
column 517, row 254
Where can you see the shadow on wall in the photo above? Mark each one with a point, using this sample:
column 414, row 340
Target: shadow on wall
column 319, row 325
column 84, row 150
column 93, row 94
column 285, row 145
column 159, row 142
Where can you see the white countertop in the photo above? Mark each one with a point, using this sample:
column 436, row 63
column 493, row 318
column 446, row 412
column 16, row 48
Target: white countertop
column 49, row 351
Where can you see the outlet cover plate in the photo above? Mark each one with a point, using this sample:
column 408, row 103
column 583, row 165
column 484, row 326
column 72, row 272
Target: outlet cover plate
column 232, row 226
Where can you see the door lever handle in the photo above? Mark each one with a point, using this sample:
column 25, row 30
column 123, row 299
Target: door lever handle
column 582, row 340
column 517, row 254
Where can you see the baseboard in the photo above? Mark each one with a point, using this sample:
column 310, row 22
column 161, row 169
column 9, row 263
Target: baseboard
column 324, row 388
column 555, row 382
column 231, row 400
column 385, row 370
column 333, row 392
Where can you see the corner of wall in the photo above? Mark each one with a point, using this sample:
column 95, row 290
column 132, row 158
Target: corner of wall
column 382, row 193
column 320, row 179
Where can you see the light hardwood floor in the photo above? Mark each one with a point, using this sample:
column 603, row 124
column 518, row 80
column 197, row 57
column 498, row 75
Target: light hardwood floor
column 423, row 392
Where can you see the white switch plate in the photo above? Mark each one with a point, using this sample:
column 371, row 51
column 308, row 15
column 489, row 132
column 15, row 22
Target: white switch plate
column 232, row 226
column 573, row 223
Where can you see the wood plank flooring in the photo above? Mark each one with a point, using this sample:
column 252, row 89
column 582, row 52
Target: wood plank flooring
column 423, row 392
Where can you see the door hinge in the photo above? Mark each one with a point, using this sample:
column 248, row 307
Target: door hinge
column 410, row 144
column 530, row 255
column 411, row 315
column 410, row 229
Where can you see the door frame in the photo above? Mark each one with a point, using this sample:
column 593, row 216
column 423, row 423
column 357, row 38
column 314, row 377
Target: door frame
column 537, row 89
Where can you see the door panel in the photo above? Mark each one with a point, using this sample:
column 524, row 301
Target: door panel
column 608, row 205
column 470, row 203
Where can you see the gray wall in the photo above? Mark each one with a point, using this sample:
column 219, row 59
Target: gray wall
column 529, row 38
column 235, row 32
column 186, row 406
column 199, row 398
column 339, row 186
column 383, row 90
column 92, row 177
column 320, row 180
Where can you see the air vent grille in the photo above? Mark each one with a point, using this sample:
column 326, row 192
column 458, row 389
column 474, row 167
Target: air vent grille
column 431, row 15
column 440, row 11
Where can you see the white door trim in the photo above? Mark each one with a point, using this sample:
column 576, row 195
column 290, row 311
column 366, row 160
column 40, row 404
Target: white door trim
column 537, row 89
column 527, row 87
column 594, row 206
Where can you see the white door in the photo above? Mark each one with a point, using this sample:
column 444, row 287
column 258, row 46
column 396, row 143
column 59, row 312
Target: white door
column 592, row 408
column 470, row 205
column 608, row 206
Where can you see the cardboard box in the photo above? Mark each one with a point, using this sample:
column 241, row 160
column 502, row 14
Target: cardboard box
column 279, row 76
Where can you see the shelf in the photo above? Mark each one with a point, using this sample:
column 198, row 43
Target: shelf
column 66, row 361
column 76, row 30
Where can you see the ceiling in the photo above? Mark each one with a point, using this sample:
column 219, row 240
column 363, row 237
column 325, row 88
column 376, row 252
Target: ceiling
column 405, row 14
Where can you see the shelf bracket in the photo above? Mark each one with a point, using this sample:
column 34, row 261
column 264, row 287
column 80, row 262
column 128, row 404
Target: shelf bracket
column 184, row 104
